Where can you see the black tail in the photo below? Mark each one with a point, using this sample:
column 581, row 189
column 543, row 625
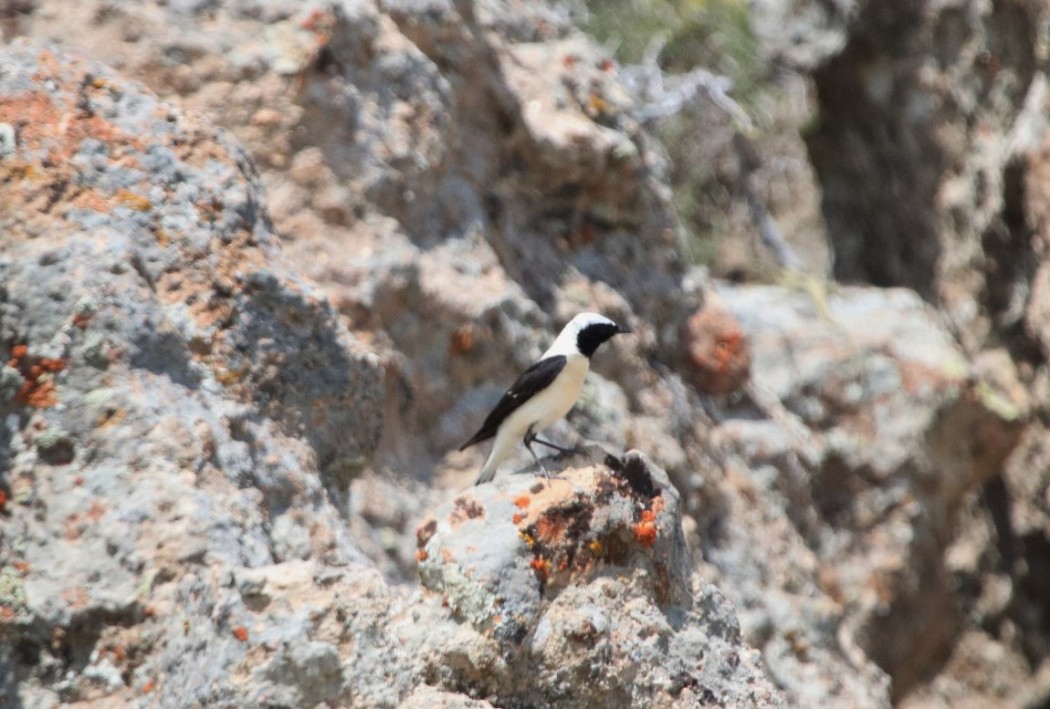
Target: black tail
column 482, row 435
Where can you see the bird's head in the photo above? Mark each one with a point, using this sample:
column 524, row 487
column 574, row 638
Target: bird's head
column 587, row 331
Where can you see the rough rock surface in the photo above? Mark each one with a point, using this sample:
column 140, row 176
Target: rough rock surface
column 924, row 197
column 183, row 416
column 577, row 593
column 930, row 148
column 430, row 166
column 177, row 406
column 883, row 428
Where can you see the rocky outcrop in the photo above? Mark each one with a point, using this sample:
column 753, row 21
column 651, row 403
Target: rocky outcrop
column 920, row 197
column 577, row 593
column 183, row 418
column 884, row 439
column 177, row 405
column 212, row 490
column 930, row 148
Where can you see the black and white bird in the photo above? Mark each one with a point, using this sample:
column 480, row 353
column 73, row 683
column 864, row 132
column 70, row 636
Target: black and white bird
column 544, row 392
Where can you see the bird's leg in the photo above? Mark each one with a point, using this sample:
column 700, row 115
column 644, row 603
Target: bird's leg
column 529, row 438
column 563, row 451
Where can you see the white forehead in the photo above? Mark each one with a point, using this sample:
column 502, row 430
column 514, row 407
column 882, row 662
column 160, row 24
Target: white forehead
column 584, row 320
column 567, row 340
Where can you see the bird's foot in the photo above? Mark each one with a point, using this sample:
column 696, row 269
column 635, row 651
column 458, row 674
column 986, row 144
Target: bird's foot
column 531, row 438
column 548, row 475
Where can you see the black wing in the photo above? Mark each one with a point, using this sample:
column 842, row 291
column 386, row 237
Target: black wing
column 534, row 379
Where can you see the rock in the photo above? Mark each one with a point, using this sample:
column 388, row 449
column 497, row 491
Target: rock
column 922, row 197
column 482, row 165
column 717, row 356
column 194, row 506
column 803, row 34
column 185, row 404
column 948, row 197
column 585, row 577
column 428, row 697
column 897, row 435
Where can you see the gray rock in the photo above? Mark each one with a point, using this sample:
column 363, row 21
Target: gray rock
column 926, row 113
column 459, row 180
column 542, row 585
column 168, row 390
column 883, row 425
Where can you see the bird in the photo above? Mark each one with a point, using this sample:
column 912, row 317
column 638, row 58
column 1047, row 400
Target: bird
column 543, row 393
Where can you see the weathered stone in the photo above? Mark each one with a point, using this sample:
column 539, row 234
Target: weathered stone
column 583, row 577
column 184, row 396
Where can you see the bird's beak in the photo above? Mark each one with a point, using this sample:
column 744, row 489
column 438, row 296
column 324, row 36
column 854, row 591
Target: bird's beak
column 623, row 330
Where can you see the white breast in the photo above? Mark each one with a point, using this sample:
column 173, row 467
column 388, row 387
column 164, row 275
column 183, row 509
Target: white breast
column 552, row 403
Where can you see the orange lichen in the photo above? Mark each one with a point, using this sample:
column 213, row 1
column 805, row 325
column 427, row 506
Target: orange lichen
column 645, row 531
column 52, row 365
column 38, row 387
column 3, row 500
column 149, row 686
column 716, row 349
column 596, row 547
column 422, row 555
column 461, row 340
column 517, row 518
column 542, row 567
column 241, row 633
column 21, row 566
column 522, row 501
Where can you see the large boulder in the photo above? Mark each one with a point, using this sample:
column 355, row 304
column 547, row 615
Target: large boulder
column 577, row 593
column 177, row 406
column 927, row 113
column 876, row 435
